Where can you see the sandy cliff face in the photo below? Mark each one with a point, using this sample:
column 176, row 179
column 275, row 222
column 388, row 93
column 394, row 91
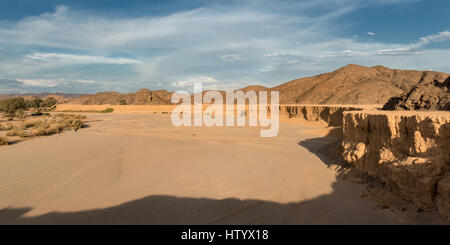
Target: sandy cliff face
column 409, row 152
column 330, row 114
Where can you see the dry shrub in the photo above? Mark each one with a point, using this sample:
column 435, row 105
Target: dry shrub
column 12, row 132
column 6, row 127
column 17, row 132
column 3, row 141
column 9, row 126
column 29, row 124
column 58, row 124
column 69, row 116
column 22, row 134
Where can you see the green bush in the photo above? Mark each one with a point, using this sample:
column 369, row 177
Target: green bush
column 108, row 110
column 34, row 103
column 49, row 102
column 11, row 105
column 122, row 102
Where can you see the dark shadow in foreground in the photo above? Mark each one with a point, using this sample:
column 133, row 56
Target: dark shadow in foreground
column 340, row 207
column 328, row 149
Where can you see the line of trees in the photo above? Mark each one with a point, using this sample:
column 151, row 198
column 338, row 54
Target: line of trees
column 11, row 106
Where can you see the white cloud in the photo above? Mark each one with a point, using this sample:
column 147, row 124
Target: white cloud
column 54, row 82
column 239, row 46
column 231, row 57
column 78, row 59
column 371, row 33
column 356, row 48
column 191, row 81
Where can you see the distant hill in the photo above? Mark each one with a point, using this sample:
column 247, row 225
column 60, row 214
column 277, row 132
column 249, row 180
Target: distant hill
column 42, row 95
column 354, row 84
column 351, row 84
column 142, row 97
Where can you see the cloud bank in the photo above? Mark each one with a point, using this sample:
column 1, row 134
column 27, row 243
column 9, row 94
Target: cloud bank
column 248, row 43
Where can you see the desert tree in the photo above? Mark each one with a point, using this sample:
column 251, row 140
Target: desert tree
column 11, row 106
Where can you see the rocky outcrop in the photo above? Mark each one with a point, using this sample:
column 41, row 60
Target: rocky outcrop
column 443, row 195
column 410, row 152
column 330, row 114
column 143, row 97
column 424, row 96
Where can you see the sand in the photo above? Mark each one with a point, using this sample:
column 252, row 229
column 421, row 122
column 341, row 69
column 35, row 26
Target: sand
column 136, row 168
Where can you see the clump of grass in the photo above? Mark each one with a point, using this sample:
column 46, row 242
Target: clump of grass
column 70, row 116
column 21, row 114
column 164, row 112
column 3, row 141
column 108, row 110
column 43, row 127
column 58, row 124
column 9, row 126
column 76, row 124
column 22, row 134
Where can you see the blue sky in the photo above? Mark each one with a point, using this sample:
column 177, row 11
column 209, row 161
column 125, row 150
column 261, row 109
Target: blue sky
column 85, row 46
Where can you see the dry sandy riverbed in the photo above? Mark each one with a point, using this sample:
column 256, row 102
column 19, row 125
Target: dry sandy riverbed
column 139, row 169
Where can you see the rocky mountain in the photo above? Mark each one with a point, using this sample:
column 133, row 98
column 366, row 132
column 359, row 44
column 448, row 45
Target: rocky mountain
column 426, row 95
column 351, row 84
column 355, row 84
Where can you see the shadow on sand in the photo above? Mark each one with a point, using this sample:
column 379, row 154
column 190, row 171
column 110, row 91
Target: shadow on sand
column 328, row 149
column 339, row 207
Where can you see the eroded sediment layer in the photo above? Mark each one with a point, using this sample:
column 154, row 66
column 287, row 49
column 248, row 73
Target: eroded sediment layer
column 331, row 114
column 409, row 151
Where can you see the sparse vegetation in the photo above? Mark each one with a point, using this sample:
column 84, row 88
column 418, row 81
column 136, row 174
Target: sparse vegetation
column 55, row 124
column 17, row 107
column 122, row 102
column 107, row 110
